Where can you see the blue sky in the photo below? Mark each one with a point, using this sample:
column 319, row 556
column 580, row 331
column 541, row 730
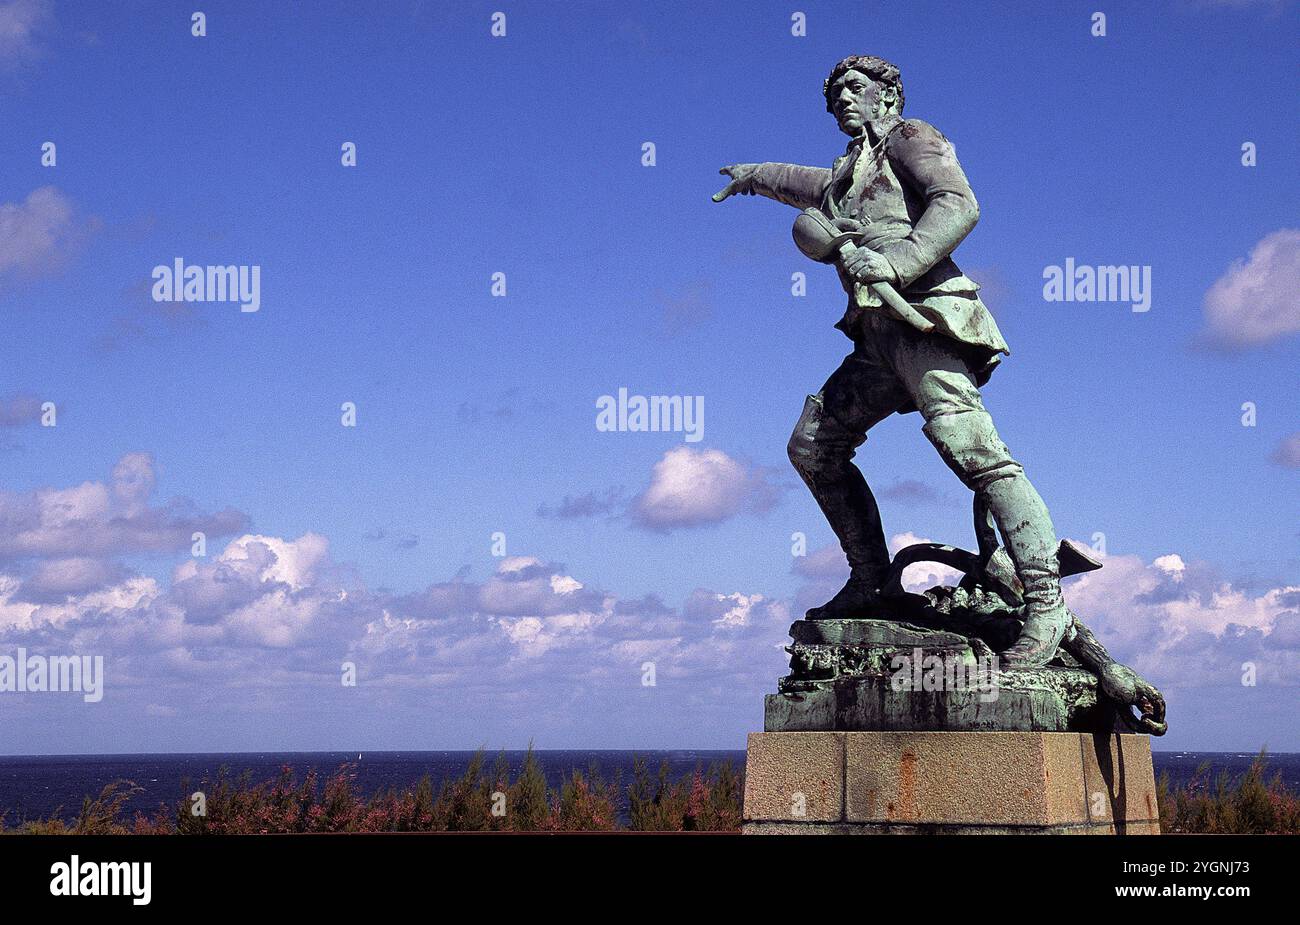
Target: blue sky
column 476, row 414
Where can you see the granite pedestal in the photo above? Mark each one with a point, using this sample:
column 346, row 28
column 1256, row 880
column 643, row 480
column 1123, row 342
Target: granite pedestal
column 889, row 728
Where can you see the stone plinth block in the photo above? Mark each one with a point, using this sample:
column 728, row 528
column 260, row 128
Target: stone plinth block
column 941, row 782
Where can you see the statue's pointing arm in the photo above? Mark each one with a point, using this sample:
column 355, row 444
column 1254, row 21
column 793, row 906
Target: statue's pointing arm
column 926, row 162
column 791, row 184
column 797, row 186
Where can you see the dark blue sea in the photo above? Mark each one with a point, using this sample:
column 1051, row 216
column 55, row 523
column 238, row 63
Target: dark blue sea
column 35, row 786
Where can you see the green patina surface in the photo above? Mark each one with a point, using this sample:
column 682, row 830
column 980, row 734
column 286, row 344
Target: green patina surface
column 872, row 675
column 888, row 215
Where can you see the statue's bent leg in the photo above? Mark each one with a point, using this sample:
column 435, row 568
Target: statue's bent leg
column 821, row 450
column 963, row 432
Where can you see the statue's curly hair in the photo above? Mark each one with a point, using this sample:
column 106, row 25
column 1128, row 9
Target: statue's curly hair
column 878, row 69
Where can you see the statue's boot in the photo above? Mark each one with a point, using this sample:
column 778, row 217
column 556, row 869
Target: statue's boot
column 822, row 450
column 970, row 446
column 858, row 599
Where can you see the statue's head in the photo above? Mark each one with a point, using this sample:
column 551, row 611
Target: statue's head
column 863, row 89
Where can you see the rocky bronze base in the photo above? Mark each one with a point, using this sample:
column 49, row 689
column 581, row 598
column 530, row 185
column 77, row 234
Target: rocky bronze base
column 949, row 782
column 880, row 675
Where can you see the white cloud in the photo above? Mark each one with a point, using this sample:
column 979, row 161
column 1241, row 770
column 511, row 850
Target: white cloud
column 98, row 519
column 1172, row 565
column 921, row 576
column 277, row 618
column 40, row 234
column 1254, row 302
column 691, row 488
column 266, row 622
column 738, row 613
column 517, row 563
column 294, row 563
column 564, row 584
column 53, row 579
column 114, row 600
column 1180, row 624
column 264, row 590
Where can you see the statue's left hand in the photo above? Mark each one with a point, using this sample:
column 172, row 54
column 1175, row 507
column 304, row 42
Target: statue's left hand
column 866, row 266
column 1125, row 686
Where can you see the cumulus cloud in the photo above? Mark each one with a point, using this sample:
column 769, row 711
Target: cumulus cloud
column 268, row 617
column 734, row 611
column 1254, row 302
column 22, row 613
column 40, row 234
column 921, row 576
column 1180, row 624
column 262, row 590
column 693, row 488
column 98, row 519
column 688, row 488
column 54, row 580
column 530, row 622
column 261, row 627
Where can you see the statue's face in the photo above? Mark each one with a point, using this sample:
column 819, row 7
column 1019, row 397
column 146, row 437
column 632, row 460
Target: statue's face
column 855, row 98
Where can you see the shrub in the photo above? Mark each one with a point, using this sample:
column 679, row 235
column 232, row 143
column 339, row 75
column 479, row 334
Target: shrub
column 584, row 801
column 527, row 805
column 584, row 804
column 1248, row 805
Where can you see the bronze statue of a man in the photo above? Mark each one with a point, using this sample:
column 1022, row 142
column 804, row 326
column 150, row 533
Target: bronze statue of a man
column 894, row 208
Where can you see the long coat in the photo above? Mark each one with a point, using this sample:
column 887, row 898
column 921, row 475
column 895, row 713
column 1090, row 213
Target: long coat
column 908, row 199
